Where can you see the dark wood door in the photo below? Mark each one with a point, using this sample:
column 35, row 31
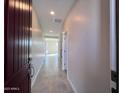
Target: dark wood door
column 18, row 21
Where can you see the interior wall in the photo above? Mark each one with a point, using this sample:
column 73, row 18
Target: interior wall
column 38, row 46
column 88, row 54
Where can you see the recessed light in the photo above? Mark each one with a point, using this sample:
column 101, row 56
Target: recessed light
column 50, row 31
column 52, row 12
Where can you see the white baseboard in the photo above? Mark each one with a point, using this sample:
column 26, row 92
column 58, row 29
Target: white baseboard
column 74, row 89
column 35, row 77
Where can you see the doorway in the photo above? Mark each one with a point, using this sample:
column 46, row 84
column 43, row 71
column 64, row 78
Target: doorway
column 64, row 51
column 51, row 77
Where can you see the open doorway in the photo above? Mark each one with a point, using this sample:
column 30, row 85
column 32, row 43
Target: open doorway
column 52, row 45
column 49, row 19
column 51, row 77
column 52, row 64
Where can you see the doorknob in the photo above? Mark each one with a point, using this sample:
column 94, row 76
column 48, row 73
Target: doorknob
column 29, row 59
column 31, row 70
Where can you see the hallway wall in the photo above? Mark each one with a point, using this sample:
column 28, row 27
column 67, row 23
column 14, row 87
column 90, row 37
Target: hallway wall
column 38, row 46
column 89, row 65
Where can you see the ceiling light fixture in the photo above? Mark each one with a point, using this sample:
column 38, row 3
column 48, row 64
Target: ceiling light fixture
column 50, row 31
column 52, row 12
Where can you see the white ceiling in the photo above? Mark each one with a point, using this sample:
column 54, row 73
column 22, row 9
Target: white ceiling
column 61, row 9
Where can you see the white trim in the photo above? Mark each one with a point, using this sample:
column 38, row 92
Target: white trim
column 72, row 85
column 112, row 35
column 112, row 41
column 74, row 89
column 67, row 50
column 35, row 77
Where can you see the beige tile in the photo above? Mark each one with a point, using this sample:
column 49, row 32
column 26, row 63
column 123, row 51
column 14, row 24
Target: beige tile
column 51, row 78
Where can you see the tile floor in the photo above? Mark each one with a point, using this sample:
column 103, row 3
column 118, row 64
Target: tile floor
column 51, row 78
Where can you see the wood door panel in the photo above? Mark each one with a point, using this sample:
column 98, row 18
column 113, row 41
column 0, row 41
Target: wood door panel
column 16, row 81
column 29, row 35
column 23, row 36
column 20, row 36
column 17, row 46
column 10, row 38
column 16, row 38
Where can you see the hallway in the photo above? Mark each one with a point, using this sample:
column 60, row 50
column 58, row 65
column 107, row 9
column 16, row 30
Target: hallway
column 61, row 46
column 51, row 78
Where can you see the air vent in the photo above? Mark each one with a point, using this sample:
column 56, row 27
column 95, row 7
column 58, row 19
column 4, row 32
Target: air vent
column 57, row 20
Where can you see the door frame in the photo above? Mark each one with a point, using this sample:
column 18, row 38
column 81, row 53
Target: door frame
column 65, row 42
column 117, row 42
column 115, row 74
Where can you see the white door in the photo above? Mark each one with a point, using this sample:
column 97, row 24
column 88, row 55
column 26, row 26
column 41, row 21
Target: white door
column 64, row 51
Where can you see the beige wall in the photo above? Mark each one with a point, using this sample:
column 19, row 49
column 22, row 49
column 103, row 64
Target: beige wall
column 88, row 28
column 38, row 47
